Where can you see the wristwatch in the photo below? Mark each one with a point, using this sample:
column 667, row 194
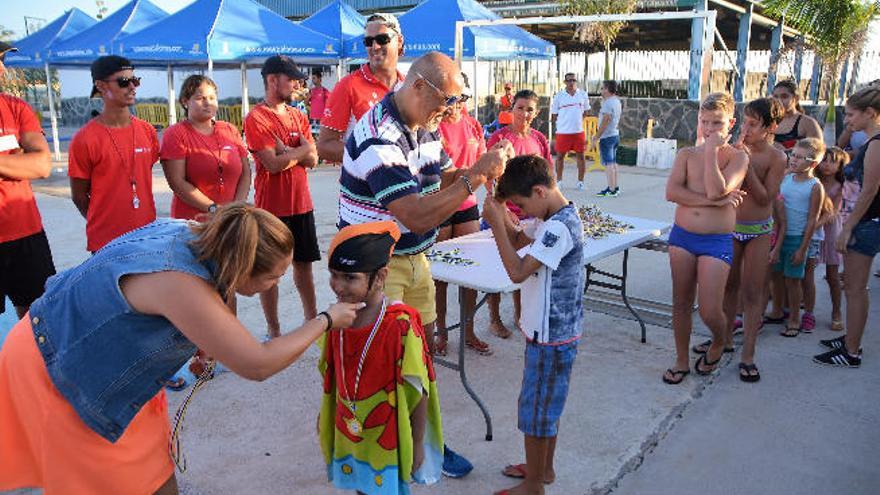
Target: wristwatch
column 212, row 208
column 467, row 184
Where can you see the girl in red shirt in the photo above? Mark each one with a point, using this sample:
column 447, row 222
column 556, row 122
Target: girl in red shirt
column 204, row 159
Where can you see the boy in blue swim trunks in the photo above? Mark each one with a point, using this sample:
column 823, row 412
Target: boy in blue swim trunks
column 754, row 224
column 552, row 277
column 704, row 182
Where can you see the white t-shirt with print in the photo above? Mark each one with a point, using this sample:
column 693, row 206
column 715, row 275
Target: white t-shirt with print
column 569, row 111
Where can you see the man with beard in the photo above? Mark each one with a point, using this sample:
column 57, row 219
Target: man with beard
column 391, row 171
column 357, row 92
column 111, row 158
column 281, row 142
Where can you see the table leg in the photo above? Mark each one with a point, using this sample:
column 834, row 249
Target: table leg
column 626, row 300
column 465, row 315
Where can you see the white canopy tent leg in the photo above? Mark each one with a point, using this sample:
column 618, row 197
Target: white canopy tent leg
column 56, row 145
column 210, row 68
column 245, row 102
column 476, row 89
column 172, row 99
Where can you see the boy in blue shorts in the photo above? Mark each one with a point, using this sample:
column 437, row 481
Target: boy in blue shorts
column 552, row 276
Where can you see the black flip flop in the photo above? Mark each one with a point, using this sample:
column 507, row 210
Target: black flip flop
column 677, row 376
column 705, row 361
column 748, row 377
column 788, row 332
column 698, row 349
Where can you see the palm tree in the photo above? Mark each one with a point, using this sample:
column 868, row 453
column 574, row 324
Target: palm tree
column 604, row 32
column 835, row 29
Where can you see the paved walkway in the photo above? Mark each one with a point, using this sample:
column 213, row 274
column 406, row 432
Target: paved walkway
column 803, row 429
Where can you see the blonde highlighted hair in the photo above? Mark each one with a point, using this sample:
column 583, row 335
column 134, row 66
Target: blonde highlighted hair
column 244, row 241
column 815, row 146
column 719, row 101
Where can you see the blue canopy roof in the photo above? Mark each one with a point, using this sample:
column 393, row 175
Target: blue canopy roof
column 96, row 41
column 339, row 21
column 32, row 49
column 430, row 26
column 224, row 30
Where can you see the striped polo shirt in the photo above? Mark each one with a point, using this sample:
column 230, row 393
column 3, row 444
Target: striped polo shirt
column 384, row 161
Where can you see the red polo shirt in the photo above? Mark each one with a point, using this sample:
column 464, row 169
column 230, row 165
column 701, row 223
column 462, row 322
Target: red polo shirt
column 19, row 216
column 287, row 192
column 212, row 163
column 111, row 158
column 352, row 96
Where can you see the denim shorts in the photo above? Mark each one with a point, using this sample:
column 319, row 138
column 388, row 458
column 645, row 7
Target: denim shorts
column 608, row 149
column 865, row 238
column 545, row 382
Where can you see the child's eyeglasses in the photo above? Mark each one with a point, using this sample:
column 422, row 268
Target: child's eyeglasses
column 801, row 157
column 383, row 39
column 123, row 82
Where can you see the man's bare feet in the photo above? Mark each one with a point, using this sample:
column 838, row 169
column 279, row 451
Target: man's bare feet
column 499, row 330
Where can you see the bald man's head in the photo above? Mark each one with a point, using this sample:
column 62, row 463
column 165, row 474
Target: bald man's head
column 432, row 80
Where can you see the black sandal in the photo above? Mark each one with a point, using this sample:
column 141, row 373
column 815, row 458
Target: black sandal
column 745, row 373
column 790, row 332
column 703, row 348
column 705, row 360
column 677, row 376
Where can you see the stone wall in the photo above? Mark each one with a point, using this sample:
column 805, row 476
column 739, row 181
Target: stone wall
column 673, row 119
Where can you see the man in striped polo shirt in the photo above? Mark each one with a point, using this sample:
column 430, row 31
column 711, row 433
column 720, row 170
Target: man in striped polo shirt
column 392, row 167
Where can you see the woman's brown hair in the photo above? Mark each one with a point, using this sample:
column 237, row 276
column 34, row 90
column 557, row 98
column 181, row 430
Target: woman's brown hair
column 865, row 98
column 192, row 84
column 244, row 241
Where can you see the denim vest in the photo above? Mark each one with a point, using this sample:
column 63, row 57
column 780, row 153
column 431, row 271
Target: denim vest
column 106, row 359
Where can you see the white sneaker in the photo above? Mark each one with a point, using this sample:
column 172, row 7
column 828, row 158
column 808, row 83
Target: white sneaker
column 580, row 186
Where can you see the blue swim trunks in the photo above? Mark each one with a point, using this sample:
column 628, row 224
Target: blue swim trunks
column 715, row 245
column 545, row 382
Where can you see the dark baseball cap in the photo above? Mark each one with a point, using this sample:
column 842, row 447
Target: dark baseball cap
column 6, row 47
column 282, row 64
column 104, row 67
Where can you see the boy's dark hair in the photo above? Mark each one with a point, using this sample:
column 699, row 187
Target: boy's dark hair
column 611, row 86
column 525, row 93
column 768, row 110
column 521, row 174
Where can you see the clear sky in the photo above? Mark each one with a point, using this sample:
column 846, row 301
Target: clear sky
column 14, row 11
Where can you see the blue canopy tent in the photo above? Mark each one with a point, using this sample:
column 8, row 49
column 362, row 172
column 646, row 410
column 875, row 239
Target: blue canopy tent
column 32, row 54
column 226, row 31
column 430, row 26
column 339, row 21
column 84, row 47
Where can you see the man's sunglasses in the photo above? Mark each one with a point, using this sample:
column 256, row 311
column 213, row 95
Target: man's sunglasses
column 383, row 39
column 123, row 82
column 571, row 80
column 449, row 100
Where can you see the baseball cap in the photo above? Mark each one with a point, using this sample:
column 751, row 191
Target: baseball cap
column 282, row 64
column 388, row 20
column 106, row 66
column 6, row 47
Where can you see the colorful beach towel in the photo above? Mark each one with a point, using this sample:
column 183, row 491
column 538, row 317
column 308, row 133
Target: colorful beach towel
column 371, row 449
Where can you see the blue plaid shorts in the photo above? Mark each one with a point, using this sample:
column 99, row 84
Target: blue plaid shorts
column 546, row 376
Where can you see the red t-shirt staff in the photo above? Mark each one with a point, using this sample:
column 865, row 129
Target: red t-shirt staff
column 111, row 158
column 281, row 142
column 204, row 159
column 25, row 257
column 357, row 92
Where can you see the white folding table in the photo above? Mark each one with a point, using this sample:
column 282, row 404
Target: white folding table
column 488, row 275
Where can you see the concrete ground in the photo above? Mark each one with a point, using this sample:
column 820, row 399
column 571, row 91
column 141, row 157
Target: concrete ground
column 803, row 429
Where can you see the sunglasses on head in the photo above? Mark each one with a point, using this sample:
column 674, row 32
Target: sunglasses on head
column 383, row 39
column 449, row 100
column 123, row 82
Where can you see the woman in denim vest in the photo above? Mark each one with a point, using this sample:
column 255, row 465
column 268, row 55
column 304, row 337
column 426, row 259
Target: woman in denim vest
column 82, row 406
